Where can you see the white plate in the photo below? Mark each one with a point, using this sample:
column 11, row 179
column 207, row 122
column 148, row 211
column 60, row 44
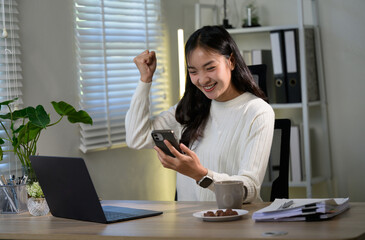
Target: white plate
column 200, row 215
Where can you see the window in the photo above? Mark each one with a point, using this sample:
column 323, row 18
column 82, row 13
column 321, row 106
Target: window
column 109, row 34
column 10, row 71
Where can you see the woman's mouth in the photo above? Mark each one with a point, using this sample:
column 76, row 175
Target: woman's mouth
column 209, row 88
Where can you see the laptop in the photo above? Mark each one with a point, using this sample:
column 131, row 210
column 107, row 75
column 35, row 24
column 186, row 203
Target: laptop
column 70, row 192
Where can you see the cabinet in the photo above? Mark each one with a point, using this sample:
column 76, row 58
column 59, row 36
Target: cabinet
column 312, row 116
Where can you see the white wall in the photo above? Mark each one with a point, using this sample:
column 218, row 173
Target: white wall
column 49, row 70
column 50, row 74
column 343, row 34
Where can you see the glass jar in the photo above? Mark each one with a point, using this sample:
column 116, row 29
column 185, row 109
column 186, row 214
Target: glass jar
column 38, row 206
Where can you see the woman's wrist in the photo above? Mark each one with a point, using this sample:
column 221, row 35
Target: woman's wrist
column 146, row 79
column 203, row 172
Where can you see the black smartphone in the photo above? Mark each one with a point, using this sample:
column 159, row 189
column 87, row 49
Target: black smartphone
column 160, row 135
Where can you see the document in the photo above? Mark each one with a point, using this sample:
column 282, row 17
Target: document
column 302, row 209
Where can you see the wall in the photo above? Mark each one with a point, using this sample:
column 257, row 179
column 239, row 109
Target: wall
column 49, row 74
column 343, row 34
column 49, row 70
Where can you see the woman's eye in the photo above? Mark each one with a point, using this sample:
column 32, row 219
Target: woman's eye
column 210, row 68
column 192, row 72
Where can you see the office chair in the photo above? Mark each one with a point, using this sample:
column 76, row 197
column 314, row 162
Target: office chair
column 280, row 162
column 280, row 186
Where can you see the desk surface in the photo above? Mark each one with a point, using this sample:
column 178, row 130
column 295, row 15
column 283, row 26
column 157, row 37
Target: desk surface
column 177, row 222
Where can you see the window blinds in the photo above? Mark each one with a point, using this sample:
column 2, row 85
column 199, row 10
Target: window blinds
column 109, row 34
column 10, row 70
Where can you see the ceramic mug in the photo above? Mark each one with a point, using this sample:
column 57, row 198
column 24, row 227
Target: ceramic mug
column 229, row 194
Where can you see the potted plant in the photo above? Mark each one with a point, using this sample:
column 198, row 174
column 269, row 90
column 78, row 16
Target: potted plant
column 37, row 204
column 25, row 127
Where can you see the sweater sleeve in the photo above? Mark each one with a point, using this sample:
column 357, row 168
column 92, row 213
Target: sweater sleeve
column 254, row 155
column 139, row 123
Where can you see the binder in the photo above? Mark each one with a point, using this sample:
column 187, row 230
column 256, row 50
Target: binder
column 279, row 66
column 312, row 80
column 264, row 56
column 295, row 155
column 294, row 93
column 293, row 84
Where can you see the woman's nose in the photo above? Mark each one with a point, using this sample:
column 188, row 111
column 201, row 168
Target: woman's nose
column 204, row 79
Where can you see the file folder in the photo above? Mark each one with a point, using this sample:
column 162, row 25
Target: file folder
column 293, row 84
column 279, row 66
column 247, row 57
column 295, row 155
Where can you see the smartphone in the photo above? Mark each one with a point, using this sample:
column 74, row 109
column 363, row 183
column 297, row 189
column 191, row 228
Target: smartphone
column 160, row 135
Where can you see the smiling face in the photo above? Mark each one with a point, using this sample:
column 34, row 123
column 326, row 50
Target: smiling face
column 211, row 73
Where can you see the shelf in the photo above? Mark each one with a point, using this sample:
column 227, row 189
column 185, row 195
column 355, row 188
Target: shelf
column 314, row 180
column 263, row 29
column 293, row 105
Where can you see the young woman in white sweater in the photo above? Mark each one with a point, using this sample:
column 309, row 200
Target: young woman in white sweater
column 224, row 125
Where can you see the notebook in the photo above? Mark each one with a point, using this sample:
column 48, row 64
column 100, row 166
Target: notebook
column 70, row 192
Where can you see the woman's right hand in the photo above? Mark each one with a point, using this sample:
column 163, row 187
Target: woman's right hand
column 146, row 63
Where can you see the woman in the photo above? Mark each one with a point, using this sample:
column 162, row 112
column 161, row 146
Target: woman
column 224, row 125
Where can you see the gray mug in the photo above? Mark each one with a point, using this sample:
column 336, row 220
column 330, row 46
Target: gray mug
column 229, row 194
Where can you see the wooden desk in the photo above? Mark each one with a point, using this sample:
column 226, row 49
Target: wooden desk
column 177, row 222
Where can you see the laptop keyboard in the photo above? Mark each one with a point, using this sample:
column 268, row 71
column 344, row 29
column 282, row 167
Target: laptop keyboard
column 113, row 213
column 114, row 216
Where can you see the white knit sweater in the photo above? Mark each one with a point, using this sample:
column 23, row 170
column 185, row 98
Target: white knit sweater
column 235, row 146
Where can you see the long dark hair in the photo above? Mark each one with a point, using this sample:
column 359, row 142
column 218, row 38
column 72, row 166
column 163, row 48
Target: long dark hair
column 193, row 109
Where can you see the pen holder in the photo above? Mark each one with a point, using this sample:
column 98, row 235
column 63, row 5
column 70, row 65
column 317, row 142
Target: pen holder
column 13, row 199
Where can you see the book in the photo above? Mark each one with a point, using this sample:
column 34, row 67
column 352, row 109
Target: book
column 302, row 209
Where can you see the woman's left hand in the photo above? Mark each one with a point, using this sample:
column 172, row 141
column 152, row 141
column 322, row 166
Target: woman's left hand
column 187, row 164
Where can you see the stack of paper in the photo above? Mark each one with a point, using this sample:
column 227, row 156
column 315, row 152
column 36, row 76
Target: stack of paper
column 302, row 209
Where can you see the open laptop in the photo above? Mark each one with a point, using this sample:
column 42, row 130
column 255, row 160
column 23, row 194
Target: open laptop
column 70, row 193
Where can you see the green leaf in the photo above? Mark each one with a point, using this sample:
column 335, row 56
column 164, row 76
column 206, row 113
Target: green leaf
column 1, row 154
column 6, row 103
column 18, row 129
column 65, row 109
column 81, row 117
column 28, row 133
column 38, row 116
column 2, row 141
column 22, row 113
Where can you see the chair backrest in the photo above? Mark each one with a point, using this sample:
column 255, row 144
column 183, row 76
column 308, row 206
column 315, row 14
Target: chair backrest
column 259, row 72
column 280, row 186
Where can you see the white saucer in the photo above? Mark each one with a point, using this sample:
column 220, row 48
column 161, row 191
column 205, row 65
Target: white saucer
column 200, row 215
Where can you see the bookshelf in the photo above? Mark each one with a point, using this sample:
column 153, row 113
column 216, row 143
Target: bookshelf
column 309, row 115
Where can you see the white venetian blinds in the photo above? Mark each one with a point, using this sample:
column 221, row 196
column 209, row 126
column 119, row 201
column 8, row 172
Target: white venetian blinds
column 10, row 70
column 109, row 35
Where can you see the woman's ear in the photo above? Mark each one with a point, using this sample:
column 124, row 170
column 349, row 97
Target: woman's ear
column 232, row 62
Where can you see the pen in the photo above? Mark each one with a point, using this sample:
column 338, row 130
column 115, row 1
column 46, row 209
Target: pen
column 286, row 205
column 12, row 205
